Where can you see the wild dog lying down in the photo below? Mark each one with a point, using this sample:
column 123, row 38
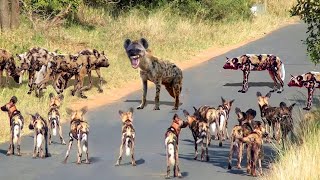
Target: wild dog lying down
column 226, row 105
column 8, row 65
column 155, row 70
column 245, row 127
column 172, row 145
column 310, row 80
column 215, row 117
column 258, row 62
column 79, row 130
column 54, row 117
column 40, row 127
column 200, row 132
column 16, row 124
column 128, row 136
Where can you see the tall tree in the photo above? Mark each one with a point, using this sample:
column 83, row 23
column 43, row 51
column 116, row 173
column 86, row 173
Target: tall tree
column 4, row 14
column 15, row 11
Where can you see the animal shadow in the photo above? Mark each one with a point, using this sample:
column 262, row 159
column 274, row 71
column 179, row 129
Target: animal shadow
column 253, row 84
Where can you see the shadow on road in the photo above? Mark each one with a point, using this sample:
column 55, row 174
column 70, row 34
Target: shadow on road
column 253, row 84
column 152, row 102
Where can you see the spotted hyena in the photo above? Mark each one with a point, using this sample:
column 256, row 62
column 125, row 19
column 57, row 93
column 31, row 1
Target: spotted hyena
column 258, row 62
column 155, row 70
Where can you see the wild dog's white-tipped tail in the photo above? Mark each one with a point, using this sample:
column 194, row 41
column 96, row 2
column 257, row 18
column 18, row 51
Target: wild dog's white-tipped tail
column 283, row 72
column 171, row 154
column 222, row 121
column 16, row 132
column 39, row 140
column 54, row 130
column 84, row 139
column 127, row 147
column 213, row 127
column 199, row 140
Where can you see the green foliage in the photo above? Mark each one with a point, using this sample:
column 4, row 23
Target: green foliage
column 309, row 12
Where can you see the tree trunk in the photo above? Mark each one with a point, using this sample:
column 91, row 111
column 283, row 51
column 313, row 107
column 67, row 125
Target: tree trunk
column 4, row 15
column 15, row 11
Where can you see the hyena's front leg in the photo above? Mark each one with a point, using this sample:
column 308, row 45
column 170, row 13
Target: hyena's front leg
column 177, row 86
column 245, row 83
column 144, row 94
column 157, row 98
column 311, row 89
column 272, row 75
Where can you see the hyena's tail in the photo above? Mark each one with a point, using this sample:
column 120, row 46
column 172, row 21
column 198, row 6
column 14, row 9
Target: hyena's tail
column 283, row 72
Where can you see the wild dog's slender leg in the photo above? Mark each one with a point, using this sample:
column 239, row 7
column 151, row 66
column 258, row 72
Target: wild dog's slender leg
column 100, row 80
column 226, row 129
column 68, row 151
column 145, row 90
column 7, row 77
column 1, row 76
column 50, row 131
column 207, row 151
column 79, row 151
column 254, row 159
column 10, row 149
column 168, row 164
column 272, row 75
column 121, row 152
column 241, row 146
column 86, row 143
column 156, row 99
column 230, row 154
column 280, row 82
column 19, row 144
column 76, row 84
column 60, row 134
column 30, row 82
column 176, row 167
column 34, row 145
column 249, row 158
column 311, row 88
column 245, row 83
column 133, row 161
column 260, row 166
column 202, row 151
column 195, row 146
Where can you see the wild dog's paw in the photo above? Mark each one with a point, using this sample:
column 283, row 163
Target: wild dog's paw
column 78, row 162
column 134, row 163
column 229, row 166
column 141, row 106
column 9, row 153
column 73, row 92
column 63, row 143
column 156, row 108
column 64, row 161
column 175, row 108
column 239, row 166
column 87, row 162
column 100, row 90
column 220, row 144
column 167, row 177
column 306, row 108
column 179, row 175
column 207, row 159
column 29, row 92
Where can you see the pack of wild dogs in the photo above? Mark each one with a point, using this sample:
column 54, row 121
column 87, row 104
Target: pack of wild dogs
column 205, row 123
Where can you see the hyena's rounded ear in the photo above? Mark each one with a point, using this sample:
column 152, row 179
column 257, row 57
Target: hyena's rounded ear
column 259, row 94
column 127, row 42
column 120, row 112
column 131, row 109
column 144, row 43
column 14, row 99
column 51, row 95
column 185, row 112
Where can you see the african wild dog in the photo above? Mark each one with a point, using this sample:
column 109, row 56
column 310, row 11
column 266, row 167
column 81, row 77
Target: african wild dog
column 8, row 65
column 215, row 117
column 32, row 61
column 155, row 70
column 245, row 127
column 16, row 124
column 79, row 130
column 254, row 62
column 199, row 130
column 172, row 145
column 128, row 136
column 226, row 105
column 54, row 120
column 285, row 122
column 40, row 127
column 310, row 80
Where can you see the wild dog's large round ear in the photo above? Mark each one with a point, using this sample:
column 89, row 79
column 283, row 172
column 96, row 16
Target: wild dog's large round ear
column 291, row 106
column 84, row 110
column 120, row 112
column 259, row 94
column 185, row 112
column 96, row 53
column 131, row 109
column 175, row 117
column 144, row 43
column 232, row 101
column 51, row 95
column 127, row 42
column 195, row 109
column 69, row 111
column 223, row 100
column 227, row 58
column 14, row 99
column 283, row 105
column 61, row 97
column 299, row 78
column 268, row 94
column 251, row 112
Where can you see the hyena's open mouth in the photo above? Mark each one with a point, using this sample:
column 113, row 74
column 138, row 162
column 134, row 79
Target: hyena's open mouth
column 135, row 60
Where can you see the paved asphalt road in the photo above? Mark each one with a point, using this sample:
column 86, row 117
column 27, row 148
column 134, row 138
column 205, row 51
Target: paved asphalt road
column 203, row 85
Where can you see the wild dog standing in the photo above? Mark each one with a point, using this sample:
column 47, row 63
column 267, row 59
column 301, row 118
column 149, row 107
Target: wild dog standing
column 285, row 120
column 245, row 127
column 40, row 127
column 258, row 62
column 215, row 117
column 79, row 130
column 310, row 80
column 172, row 145
column 8, row 65
column 128, row 136
column 199, row 130
column 16, row 124
column 155, row 70
column 226, row 105
column 54, row 117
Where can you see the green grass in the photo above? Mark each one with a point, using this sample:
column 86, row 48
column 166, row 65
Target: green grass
column 170, row 36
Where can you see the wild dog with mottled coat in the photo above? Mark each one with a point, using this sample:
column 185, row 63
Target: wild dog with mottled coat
column 310, row 80
column 286, row 121
column 226, row 105
column 79, row 130
column 245, row 127
column 128, row 136
column 40, row 127
column 54, row 117
column 172, row 145
column 16, row 121
column 155, row 70
column 258, row 62
column 8, row 65
column 200, row 133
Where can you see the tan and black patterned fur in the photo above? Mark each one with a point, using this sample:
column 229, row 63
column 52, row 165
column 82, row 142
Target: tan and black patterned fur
column 226, row 105
column 258, row 62
column 54, row 120
column 155, row 70
column 8, row 65
column 128, row 136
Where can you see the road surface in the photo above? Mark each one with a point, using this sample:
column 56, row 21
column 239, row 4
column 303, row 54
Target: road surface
column 203, row 85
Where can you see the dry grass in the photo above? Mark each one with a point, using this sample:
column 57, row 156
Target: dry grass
column 170, row 37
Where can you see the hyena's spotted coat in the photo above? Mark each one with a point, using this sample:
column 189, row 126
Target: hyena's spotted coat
column 8, row 65
column 310, row 80
column 258, row 62
column 155, row 70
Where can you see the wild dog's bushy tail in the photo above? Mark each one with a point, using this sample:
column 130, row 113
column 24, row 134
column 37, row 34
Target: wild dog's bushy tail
column 222, row 121
column 128, row 145
column 213, row 127
column 283, row 72
column 39, row 140
column 54, row 130
column 16, row 133
column 171, row 153
column 85, row 142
